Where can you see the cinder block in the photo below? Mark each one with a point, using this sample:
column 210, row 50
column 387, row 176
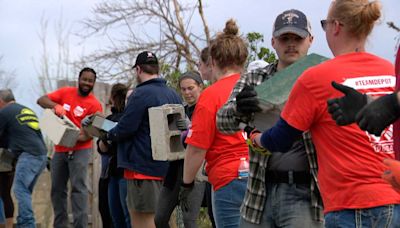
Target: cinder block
column 274, row 92
column 165, row 137
column 98, row 123
column 61, row 131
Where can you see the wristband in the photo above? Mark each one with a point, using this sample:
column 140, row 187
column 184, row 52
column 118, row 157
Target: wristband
column 190, row 185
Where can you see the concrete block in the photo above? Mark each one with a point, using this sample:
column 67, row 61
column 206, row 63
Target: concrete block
column 99, row 123
column 61, row 131
column 165, row 137
column 274, row 92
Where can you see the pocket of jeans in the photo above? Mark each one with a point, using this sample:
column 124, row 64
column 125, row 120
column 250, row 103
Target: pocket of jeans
column 303, row 191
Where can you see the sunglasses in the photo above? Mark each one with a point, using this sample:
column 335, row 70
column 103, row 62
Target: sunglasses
column 326, row 21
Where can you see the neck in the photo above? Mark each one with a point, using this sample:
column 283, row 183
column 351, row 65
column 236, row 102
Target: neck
column 346, row 46
column 222, row 73
column 281, row 65
column 146, row 77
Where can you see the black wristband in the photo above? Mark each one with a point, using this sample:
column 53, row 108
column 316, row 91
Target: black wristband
column 190, row 185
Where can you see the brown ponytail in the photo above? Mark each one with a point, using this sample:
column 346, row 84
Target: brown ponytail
column 228, row 48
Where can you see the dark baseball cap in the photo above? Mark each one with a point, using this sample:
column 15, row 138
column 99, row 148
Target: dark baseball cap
column 292, row 21
column 146, row 57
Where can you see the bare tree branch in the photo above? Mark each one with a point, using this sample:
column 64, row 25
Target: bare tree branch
column 161, row 26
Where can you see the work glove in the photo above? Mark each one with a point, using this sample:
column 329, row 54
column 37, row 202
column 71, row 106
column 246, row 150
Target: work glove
column 392, row 174
column 344, row 109
column 59, row 110
column 247, row 102
column 86, row 121
column 251, row 133
column 184, row 192
column 379, row 114
column 182, row 124
column 48, row 163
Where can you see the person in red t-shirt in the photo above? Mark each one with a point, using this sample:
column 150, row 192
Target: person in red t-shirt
column 72, row 163
column 349, row 159
column 223, row 153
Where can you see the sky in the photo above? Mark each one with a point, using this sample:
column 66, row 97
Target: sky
column 20, row 26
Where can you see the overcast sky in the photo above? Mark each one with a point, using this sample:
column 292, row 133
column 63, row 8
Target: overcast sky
column 20, row 24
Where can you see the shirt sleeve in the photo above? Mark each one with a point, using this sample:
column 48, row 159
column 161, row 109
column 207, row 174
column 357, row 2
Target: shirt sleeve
column 131, row 119
column 301, row 108
column 228, row 119
column 56, row 96
column 202, row 132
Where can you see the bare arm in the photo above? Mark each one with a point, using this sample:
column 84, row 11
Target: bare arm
column 194, row 158
column 45, row 102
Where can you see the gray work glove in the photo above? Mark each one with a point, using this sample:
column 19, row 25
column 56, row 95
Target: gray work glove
column 182, row 124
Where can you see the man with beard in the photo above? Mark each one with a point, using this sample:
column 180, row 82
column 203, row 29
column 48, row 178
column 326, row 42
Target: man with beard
column 282, row 189
column 72, row 163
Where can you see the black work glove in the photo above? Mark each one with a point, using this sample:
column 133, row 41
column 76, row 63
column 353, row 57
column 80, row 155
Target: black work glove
column 379, row 114
column 247, row 102
column 182, row 124
column 48, row 163
column 344, row 109
column 184, row 192
column 104, row 136
column 250, row 130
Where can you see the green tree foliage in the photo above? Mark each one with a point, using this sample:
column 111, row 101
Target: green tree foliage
column 256, row 51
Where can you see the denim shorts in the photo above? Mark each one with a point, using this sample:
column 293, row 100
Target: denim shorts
column 143, row 195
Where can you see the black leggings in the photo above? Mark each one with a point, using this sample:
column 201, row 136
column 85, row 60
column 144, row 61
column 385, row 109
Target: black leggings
column 6, row 181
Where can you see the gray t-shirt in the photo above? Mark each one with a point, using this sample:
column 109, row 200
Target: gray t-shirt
column 19, row 128
column 293, row 160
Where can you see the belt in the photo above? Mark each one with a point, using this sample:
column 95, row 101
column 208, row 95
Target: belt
column 289, row 177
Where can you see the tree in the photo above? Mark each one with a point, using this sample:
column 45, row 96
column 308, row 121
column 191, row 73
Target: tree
column 7, row 78
column 165, row 27
column 259, row 52
column 57, row 65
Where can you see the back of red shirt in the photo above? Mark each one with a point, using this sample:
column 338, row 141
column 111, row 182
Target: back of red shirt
column 223, row 151
column 77, row 107
column 349, row 159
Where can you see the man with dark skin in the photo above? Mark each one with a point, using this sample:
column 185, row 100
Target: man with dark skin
column 72, row 163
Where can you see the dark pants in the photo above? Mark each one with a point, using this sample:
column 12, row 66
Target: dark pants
column 6, row 181
column 103, row 203
column 75, row 170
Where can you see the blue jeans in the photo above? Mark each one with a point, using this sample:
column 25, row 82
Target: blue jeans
column 27, row 171
column 287, row 205
column 226, row 203
column 2, row 216
column 117, row 191
column 385, row 216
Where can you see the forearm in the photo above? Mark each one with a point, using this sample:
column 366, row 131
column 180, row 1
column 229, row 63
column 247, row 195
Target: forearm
column 194, row 158
column 279, row 138
column 45, row 102
column 83, row 136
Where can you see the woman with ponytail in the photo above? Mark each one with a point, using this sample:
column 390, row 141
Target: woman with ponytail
column 223, row 153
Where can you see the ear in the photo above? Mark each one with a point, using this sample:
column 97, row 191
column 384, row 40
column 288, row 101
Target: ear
column 311, row 38
column 273, row 42
column 337, row 27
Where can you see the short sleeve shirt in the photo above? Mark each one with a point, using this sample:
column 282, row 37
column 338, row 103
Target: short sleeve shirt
column 349, row 159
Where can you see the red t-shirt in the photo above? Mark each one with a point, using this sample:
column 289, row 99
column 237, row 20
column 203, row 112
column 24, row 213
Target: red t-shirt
column 77, row 107
column 349, row 159
column 223, row 151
